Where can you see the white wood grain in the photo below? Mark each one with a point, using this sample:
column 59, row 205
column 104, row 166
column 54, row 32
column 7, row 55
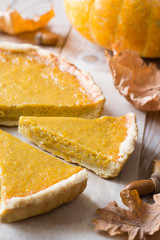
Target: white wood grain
column 84, row 54
column 60, row 24
column 150, row 145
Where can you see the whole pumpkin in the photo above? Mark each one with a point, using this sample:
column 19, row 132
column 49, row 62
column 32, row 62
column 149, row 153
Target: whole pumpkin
column 135, row 23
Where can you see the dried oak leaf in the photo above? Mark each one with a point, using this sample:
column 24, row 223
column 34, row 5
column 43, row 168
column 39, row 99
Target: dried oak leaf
column 13, row 23
column 138, row 82
column 139, row 220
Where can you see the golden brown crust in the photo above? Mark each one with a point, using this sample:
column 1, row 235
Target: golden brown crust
column 126, row 148
column 18, row 208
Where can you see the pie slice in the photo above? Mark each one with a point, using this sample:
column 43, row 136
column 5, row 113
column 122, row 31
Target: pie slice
column 32, row 181
column 102, row 145
column 35, row 82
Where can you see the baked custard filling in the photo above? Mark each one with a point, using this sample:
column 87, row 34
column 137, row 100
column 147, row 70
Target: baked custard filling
column 37, row 83
column 32, row 77
column 26, row 170
column 96, row 141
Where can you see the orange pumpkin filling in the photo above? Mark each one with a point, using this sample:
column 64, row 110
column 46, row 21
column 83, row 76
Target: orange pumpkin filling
column 34, row 80
column 25, row 170
column 97, row 141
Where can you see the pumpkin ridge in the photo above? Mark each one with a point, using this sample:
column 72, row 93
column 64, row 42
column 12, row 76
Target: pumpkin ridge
column 148, row 32
column 90, row 24
column 119, row 19
column 135, row 23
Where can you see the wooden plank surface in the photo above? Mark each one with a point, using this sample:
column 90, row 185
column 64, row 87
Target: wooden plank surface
column 150, row 144
column 91, row 58
column 85, row 54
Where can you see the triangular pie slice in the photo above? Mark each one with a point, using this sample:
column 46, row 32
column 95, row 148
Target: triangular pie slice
column 36, row 82
column 32, row 181
column 102, row 145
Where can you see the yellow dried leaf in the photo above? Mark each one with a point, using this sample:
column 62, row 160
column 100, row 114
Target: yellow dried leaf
column 138, row 82
column 139, row 220
column 13, row 23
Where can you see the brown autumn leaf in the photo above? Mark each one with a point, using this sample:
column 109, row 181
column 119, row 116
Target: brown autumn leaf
column 12, row 22
column 138, row 82
column 139, row 220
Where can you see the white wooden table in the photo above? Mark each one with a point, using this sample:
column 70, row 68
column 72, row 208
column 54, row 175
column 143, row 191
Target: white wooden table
column 73, row 220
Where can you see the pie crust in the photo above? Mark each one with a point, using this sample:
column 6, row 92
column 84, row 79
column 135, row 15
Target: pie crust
column 33, row 182
column 18, row 208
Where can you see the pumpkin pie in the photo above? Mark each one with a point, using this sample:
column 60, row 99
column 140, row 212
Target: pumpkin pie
column 36, row 82
column 102, row 145
column 32, row 181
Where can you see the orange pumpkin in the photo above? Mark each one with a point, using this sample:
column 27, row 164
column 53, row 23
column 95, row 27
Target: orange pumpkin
column 135, row 23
